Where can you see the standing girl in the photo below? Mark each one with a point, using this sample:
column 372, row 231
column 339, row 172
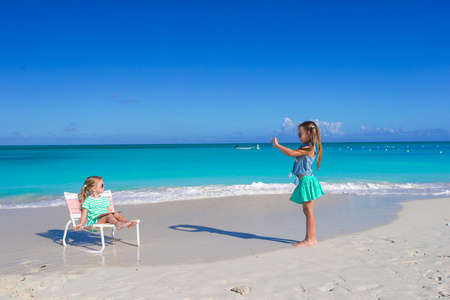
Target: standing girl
column 95, row 205
column 308, row 187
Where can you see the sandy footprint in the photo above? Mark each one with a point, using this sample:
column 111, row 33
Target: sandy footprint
column 434, row 275
column 365, row 242
column 444, row 294
column 329, row 287
column 389, row 241
column 27, row 262
column 15, row 292
column 357, row 288
column 418, row 252
column 365, row 249
column 406, row 262
column 299, row 288
column 332, row 285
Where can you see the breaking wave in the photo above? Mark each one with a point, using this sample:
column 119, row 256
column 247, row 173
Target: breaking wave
column 165, row 194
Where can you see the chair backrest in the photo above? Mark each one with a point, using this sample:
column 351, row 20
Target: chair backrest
column 73, row 201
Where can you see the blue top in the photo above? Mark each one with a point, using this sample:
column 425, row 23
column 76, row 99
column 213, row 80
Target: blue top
column 303, row 164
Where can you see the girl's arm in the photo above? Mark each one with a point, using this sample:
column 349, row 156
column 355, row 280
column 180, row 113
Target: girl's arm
column 289, row 152
column 82, row 218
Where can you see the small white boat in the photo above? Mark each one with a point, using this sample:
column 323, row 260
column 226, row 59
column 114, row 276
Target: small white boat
column 246, row 148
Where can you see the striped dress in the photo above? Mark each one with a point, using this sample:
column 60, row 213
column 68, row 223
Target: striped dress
column 95, row 207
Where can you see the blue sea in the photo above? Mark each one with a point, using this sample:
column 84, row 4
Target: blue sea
column 37, row 176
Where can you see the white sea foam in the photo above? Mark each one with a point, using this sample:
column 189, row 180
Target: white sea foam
column 165, row 194
column 384, row 188
column 259, row 188
column 199, row 192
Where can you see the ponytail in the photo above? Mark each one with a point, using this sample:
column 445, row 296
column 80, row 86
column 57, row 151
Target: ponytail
column 89, row 183
column 83, row 193
column 315, row 139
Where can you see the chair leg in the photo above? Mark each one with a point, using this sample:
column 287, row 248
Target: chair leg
column 103, row 241
column 88, row 251
column 138, row 239
column 102, row 235
column 113, row 231
column 65, row 233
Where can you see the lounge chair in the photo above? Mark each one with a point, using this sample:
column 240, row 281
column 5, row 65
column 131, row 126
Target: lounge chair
column 73, row 201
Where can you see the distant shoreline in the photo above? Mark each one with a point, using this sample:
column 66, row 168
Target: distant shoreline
column 210, row 144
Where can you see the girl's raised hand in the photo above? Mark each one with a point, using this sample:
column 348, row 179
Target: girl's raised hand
column 274, row 142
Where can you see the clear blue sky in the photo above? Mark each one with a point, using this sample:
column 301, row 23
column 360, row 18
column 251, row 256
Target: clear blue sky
column 113, row 72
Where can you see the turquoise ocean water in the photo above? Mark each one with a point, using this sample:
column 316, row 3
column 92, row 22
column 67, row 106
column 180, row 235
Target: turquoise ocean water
column 37, row 176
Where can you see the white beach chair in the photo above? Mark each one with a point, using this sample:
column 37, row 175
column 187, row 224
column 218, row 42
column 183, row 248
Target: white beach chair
column 73, row 201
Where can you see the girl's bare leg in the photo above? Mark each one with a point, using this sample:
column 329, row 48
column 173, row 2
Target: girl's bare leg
column 120, row 218
column 310, row 238
column 124, row 221
column 107, row 219
column 119, row 222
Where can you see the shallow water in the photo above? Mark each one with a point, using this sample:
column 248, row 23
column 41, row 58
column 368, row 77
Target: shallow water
column 38, row 175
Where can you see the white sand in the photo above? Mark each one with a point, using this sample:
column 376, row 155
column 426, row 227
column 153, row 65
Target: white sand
column 406, row 259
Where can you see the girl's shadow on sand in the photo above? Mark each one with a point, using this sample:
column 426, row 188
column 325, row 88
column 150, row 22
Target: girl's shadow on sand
column 241, row 235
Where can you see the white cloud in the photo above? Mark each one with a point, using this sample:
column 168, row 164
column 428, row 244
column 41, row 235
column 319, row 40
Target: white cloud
column 329, row 128
column 287, row 127
column 376, row 130
column 287, row 124
column 402, row 132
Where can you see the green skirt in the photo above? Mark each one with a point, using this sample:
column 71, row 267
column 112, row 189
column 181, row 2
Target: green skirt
column 308, row 189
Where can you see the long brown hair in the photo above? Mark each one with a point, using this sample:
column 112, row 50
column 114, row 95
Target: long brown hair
column 89, row 183
column 315, row 138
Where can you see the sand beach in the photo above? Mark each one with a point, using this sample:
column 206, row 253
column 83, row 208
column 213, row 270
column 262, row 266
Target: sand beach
column 204, row 248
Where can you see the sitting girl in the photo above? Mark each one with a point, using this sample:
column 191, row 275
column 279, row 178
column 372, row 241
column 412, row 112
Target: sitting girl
column 96, row 205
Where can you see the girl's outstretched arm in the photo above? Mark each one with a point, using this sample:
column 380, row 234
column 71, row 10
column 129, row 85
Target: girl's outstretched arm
column 287, row 151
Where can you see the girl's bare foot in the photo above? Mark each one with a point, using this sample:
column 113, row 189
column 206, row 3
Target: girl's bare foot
column 121, row 225
column 132, row 223
column 305, row 243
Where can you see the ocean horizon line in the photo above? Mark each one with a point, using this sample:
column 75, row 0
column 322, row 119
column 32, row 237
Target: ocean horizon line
column 219, row 143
